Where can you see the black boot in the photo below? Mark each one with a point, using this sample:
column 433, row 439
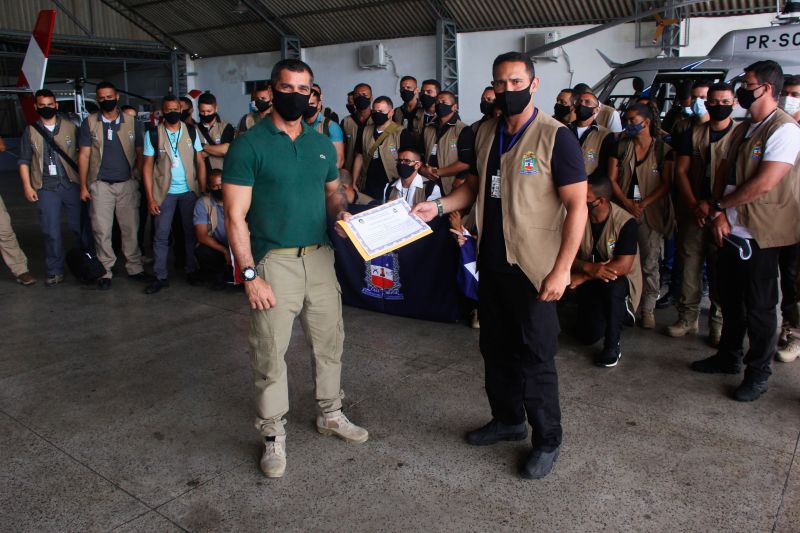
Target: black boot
column 539, row 464
column 495, row 431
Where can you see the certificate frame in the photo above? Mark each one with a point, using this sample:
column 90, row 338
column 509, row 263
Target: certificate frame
column 369, row 251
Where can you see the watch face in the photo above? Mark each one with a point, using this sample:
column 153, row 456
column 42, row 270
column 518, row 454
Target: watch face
column 249, row 273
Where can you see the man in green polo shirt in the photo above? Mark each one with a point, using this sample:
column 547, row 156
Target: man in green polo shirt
column 280, row 183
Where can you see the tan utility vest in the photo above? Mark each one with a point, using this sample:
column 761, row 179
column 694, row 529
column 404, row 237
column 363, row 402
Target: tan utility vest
column 350, row 129
column 420, row 193
column 446, row 150
column 213, row 217
column 533, row 213
column 162, row 169
column 604, row 115
column 66, row 139
column 659, row 216
column 388, row 151
column 773, row 218
column 215, row 132
column 477, row 124
column 705, row 160
column 617, row 218
column 417, row 123
column 249, row 120
column 126, row 135
column 323, row 125
column 590, row 147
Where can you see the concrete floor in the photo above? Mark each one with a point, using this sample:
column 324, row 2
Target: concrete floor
column 128, row 412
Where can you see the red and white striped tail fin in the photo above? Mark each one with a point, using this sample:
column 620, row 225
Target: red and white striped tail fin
column 34, row 65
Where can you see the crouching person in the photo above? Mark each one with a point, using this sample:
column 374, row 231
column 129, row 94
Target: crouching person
column 212, row 252
column 606, row 272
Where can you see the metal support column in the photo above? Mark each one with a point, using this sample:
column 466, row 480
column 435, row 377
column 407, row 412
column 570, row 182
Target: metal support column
column 125, row 81
column 290, row 47
column 175, row 88
column 447, row 54
column 672, row 33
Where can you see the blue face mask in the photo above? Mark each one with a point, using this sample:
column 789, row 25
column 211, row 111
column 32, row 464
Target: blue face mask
column 632, row 130
column 699, row 107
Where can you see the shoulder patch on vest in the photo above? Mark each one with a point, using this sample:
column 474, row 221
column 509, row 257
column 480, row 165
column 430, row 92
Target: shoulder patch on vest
column 529, row 164
column 757, row 151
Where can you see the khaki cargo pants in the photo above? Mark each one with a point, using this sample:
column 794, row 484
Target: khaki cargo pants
column 694, row 246
column 9, row 246
column 306, row 287
column 121, row 201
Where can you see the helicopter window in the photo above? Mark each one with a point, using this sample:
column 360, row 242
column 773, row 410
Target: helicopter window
column 625, row 92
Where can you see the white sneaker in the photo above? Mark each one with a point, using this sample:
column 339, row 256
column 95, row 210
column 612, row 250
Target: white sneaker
column 337, row 424
column 273, row 462
column 790, row 352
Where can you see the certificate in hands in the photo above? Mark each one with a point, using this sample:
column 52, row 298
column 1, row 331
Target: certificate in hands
column 382, row 229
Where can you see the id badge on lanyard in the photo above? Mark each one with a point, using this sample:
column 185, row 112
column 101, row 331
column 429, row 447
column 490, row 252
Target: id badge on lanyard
column 175, row 161
column 110, row 134
column 51, row 169
column 494, row 188
column 435, row 149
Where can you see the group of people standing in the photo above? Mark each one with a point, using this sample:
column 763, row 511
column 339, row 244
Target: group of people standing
column 579, row 200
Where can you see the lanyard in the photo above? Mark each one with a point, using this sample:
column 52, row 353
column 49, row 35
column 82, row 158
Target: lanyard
column 174, row 146
column 517, row 135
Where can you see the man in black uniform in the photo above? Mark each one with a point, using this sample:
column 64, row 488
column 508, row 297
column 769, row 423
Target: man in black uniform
column 531, row 195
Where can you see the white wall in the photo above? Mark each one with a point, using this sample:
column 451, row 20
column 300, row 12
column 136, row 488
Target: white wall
column 336, row 68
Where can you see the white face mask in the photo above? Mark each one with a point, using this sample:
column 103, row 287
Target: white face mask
column 790, row 104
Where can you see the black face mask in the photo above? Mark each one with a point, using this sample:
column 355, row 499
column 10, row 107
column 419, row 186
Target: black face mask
column 173, row 117
column 108, row 105
column 747, row 97
column 185, row 115
column 406, row 95
column 719, row 112
column 442, row 110
column 561, row 110
column 427, row 100
column 405, row 171
column 513, row 102
column 309, row 112
column 262, row 105
column 583, row 112
column 379, row 118
column 362, row 102
column 46, row 112
column 205, row 119
column 487, row 108
column 216, row 194
column 592, row 206
column 290, row 106
column 350, row 108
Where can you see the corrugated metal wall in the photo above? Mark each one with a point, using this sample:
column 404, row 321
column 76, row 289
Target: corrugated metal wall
column 211, row 28
column 20, row 15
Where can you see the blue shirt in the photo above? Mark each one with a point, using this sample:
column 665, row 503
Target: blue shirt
column 335, row 133
column 201, row 217
column 178, row 184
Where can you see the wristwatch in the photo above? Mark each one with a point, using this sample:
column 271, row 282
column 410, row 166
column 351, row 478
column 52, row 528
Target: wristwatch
column 716, row 206
column 249, row 273
column 439, row 207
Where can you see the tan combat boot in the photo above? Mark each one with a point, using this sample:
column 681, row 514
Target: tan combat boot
column 682, row 327
column 337, row 424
